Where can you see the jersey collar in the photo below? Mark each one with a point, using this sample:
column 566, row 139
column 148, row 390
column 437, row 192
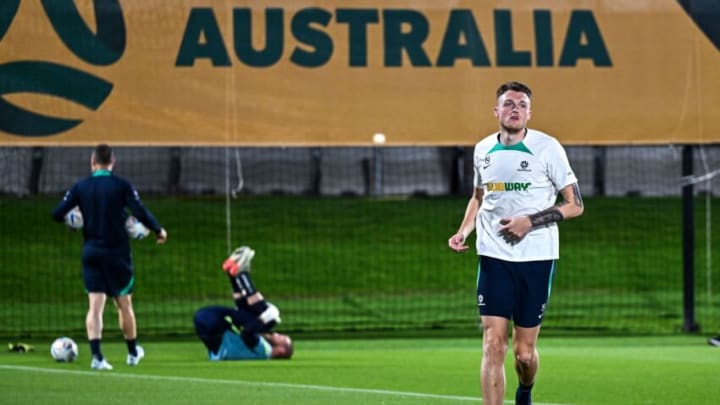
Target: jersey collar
column 101, row 172
column 519, row 147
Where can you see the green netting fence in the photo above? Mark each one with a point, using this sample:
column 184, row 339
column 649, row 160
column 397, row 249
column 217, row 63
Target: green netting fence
column 354, row 240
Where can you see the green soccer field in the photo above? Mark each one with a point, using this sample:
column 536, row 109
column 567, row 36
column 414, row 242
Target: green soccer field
column 587, row 371
column 359, row 268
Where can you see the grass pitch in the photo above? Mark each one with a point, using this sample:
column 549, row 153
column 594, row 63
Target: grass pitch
column 588, row 371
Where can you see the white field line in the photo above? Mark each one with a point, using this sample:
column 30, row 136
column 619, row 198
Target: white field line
column 106, row 374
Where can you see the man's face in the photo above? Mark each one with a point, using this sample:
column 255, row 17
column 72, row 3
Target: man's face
column 513, row 110
column 281, row 345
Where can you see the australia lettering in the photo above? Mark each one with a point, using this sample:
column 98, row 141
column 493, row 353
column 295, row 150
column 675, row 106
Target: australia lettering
column 404, row 33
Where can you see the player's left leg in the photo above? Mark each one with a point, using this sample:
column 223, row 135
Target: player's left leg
column 94, row 318
column 96, row 286
column 527, row 361
column 264, row 315
column 246, row 296
column 533, row 286
column 94, row 323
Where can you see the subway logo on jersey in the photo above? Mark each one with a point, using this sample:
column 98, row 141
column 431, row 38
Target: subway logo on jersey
column 507, row 186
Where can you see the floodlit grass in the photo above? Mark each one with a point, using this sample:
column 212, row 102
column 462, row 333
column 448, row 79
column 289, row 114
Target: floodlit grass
column 587, row 371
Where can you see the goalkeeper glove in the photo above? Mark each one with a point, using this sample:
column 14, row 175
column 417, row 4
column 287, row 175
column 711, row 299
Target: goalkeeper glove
column 239, row 261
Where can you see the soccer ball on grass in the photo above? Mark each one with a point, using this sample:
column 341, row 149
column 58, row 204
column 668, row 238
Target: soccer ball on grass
column 64, row 349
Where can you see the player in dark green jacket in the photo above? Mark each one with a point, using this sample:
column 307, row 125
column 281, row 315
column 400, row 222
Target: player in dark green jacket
column 103, row 200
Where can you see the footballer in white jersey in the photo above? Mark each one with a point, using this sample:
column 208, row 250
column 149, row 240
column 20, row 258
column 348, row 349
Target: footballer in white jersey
column 521, row 179
column 519, row 173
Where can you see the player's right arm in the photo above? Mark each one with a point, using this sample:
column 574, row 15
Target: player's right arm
column 457, row 241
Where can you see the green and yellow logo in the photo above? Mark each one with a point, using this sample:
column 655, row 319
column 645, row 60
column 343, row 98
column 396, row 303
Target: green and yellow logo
column 507, row 186
column 101, row 48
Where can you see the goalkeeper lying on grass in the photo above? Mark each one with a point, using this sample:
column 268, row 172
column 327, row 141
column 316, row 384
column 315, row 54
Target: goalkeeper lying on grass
column 244, row 332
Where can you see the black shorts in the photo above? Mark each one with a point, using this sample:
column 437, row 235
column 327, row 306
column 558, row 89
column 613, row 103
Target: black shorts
column 107, row 271
column 518, row 291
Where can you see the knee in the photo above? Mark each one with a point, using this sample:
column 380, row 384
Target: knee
column 126, row 311
column 525, row 358
column 124, row 304
column 494, row 348
column 271, row 314
column 201, row 319
column 95, row 311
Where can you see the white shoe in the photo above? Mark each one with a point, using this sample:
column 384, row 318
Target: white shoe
column 714, row 341
column 134, row 360
column 96, row 364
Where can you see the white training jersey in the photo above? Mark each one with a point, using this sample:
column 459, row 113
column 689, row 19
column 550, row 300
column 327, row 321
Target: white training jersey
column 521, row 179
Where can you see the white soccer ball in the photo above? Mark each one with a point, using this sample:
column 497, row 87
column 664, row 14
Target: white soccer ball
column 74, row 218
column 135, row 229
column 64, row 349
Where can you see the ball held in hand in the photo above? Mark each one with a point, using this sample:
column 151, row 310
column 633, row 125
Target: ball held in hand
column 135, row 228
column 74, row 218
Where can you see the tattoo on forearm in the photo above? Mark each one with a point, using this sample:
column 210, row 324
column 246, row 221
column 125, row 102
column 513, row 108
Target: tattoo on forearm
column 545, row 217
column 553, row 214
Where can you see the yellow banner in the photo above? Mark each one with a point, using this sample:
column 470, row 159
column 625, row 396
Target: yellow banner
column 422, row 72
